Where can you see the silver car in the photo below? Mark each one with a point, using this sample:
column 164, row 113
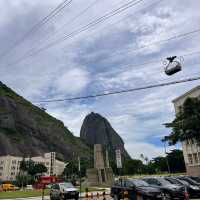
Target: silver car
column 62, row 191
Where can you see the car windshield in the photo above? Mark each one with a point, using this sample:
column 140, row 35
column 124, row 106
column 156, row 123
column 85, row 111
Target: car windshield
column 66, row 185
column 163, row 181
column 139, row 183
column 196, row 179
column 188, row 180
column 174, row 181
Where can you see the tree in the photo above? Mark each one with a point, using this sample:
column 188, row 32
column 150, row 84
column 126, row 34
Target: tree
column 35, row 169
column 186, row 125
column 132, row 167
column 176, row 161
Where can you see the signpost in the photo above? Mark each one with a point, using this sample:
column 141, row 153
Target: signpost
column 118, row 158
column 119, row 161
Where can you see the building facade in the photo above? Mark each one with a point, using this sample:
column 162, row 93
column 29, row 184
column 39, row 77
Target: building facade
column 191, row 150
column 10, row 165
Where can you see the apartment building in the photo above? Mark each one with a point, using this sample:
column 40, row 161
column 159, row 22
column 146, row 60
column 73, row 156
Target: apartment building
column 191, row 150
column 10, row 165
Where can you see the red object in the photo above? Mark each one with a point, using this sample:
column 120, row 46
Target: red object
column 46, row 180
column 186, row 196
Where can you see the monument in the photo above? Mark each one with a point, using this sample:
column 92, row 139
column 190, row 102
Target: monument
column 101, row 174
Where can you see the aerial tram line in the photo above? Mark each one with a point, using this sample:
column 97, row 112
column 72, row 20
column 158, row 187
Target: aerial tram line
column 121, row 91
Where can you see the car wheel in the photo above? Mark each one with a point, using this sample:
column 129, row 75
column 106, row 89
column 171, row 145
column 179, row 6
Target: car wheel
column 62, row 197
column 166, row 196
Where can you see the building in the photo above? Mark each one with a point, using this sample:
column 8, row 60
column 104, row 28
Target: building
column 191, row 150
column 10, row 165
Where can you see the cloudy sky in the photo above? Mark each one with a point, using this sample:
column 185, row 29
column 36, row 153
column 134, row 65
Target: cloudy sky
column 106, row 57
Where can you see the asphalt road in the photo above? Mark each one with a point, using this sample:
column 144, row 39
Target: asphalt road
column 47, row 198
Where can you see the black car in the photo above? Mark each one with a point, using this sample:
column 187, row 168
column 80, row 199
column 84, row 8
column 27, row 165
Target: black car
column 134, row 187
column 63, row 191
column 193, row 190
column 189, row 180
column 195, row 178
column 171, row 191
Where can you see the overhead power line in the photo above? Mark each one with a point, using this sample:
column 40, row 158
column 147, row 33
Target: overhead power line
column 121, row 91
column 82, row 29
column 48, row 39
column 182, row 35
column 38, row 25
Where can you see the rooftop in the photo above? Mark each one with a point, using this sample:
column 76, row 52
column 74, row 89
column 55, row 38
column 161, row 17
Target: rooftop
column 187, row 93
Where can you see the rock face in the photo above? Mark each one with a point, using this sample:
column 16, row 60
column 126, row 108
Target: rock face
column 26, row 130
column 97, row 130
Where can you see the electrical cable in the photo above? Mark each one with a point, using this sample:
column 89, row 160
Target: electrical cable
column 38, row 25
column 108, row 27
column 84, row 28
column 122, row 91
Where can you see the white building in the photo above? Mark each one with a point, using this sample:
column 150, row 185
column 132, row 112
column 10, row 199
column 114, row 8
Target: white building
column 10, row 165
column 191, row 150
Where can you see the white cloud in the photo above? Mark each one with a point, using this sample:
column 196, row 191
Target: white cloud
column 88, row 63
column 72, row 82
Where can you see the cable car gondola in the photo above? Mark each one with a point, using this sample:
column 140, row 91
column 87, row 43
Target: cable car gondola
column 172, row 66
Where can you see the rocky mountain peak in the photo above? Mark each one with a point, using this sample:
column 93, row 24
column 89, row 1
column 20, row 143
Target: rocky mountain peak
column 96, row 129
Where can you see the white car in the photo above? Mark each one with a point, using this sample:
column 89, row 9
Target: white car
column 63, row 191
column 29, row 187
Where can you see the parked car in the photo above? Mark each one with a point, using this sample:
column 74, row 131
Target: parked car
column 29, row 187
column 195, row 178
column 134, row 187
column 193, row 190
column 171, row 191
column 8, row 187
column 189, row 180
column 62, row 191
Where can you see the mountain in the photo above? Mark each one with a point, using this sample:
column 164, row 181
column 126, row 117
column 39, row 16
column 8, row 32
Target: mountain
column 97, row 130
column 26, row 130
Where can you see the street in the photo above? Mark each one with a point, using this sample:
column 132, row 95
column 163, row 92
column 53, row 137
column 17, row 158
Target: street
column 47, row 198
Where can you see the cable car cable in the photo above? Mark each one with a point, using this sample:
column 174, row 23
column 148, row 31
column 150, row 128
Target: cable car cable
column 38, row 25
column 108, row 27
column 84, row 28
column 121, row 91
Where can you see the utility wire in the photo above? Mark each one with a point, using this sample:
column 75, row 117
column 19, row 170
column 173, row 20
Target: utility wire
column 182, row 35
column 82, row 29
column 122, row 91
column 107, row 27
column 38, row 25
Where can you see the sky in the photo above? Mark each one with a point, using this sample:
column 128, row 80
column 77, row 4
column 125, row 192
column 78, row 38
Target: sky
column 105, row 58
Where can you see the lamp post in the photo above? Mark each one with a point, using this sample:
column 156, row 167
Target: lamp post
column 79, row 169
column 168, row 167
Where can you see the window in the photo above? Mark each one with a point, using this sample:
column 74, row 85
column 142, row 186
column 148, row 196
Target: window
column 56, row 187
column 12, row 173
column 1, row 168
column 195, row 158
column 1, row 174
column 13, row 168
column 152, row 181
column 2, row 162
column 14, row 162
column 190, row 159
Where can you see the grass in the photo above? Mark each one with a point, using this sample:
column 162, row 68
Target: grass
column 35, row 193
column 22, row 194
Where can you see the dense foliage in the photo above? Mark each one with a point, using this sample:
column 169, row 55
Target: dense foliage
column 173, row 162
column 186, row 125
